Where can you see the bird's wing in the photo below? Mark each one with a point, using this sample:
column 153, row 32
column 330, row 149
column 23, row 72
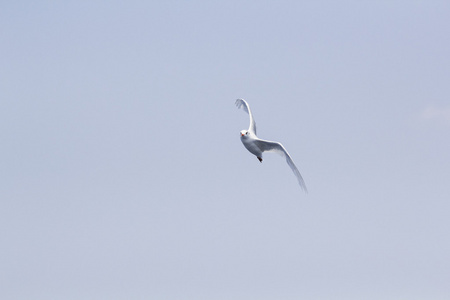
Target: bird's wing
column 279, row 149
column 242, row 103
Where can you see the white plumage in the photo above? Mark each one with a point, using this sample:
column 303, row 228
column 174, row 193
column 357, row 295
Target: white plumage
column 257, row 146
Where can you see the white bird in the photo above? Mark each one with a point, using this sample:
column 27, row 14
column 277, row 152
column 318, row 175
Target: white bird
column 257, row 146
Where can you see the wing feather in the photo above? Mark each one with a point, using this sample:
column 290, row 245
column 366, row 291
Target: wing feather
column 241, row 103
column 268, row 146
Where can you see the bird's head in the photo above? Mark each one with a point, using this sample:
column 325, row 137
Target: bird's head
column 244, row 133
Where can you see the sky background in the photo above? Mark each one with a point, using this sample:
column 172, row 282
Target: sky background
column 123, row 176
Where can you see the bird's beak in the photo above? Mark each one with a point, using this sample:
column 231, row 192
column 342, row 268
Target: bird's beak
column 242, row 134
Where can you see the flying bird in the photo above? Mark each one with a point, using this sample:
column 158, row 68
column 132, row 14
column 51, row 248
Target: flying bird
column 258, row 146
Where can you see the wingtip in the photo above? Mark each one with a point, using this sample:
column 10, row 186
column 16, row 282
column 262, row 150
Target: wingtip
column 303, row 186
column 240, row 102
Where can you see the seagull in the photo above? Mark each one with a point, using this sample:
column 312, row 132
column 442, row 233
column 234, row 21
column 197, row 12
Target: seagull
column 257, row 146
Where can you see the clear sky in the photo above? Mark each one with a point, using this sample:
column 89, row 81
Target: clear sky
column 123, row 175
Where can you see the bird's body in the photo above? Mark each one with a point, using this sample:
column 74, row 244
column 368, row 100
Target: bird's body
column 257, row 146
column 249, row 142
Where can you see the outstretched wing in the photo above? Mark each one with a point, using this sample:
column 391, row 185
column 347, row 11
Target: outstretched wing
column 278, row 148
column 242, row 103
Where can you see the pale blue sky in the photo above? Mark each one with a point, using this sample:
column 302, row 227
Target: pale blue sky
column 123, row 176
